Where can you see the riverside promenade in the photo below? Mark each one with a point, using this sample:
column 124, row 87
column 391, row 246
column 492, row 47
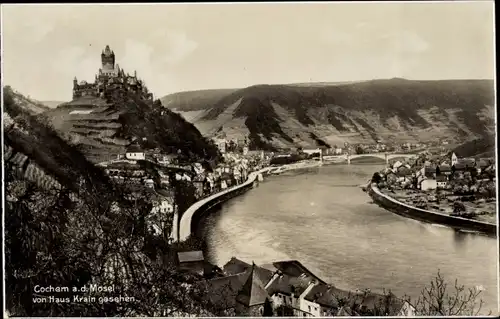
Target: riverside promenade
column 186, row 222
column 428, row 216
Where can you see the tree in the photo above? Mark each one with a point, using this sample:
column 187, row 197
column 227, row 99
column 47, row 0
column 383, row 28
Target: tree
column 491, row 189
column 376, row 178
column 52, row 239
column 436, row 299
column 458, row 207
column 359, row 150
column 268, row 309
column 439, row 300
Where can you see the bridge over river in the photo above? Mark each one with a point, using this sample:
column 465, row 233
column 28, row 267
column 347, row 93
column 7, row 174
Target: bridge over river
column 385, row 156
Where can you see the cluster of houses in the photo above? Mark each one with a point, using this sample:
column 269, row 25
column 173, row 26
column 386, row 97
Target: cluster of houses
column 287, row 288
column 425, row 175
column 157, row 181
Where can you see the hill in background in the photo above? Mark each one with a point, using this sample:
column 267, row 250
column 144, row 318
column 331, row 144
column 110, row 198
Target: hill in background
column 481, row 147
column 52, row 104
column 298, row 115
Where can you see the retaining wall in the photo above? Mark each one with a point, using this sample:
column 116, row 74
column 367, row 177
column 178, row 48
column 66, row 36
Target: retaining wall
column 191, row 216
column 424, row 215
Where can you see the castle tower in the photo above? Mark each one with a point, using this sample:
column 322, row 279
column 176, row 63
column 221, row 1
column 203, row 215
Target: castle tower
column 75, row 82
column 108, row 60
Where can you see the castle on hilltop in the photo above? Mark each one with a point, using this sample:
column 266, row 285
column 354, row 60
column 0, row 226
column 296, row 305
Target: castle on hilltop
column 110, row 78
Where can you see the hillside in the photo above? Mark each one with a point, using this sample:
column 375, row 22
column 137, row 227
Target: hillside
column 481, row 147
column 62, row 230
column 29, row 105
column 40, row 155
column 391, row 110
column 101, row 128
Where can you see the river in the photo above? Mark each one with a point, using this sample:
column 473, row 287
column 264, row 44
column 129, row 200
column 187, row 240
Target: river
column 323, row 219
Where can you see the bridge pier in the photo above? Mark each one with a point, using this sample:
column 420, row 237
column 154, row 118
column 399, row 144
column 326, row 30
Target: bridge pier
column 386, row 160
column 348, row 159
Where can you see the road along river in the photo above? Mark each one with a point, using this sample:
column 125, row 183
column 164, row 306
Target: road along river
column 321, row 217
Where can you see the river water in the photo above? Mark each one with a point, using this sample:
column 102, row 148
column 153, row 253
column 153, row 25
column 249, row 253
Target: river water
column 323, row 219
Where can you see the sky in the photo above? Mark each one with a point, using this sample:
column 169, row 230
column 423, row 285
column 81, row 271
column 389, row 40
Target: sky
column 181, row 47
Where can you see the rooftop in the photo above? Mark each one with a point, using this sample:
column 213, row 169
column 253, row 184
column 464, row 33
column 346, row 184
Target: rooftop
column 326, row 295
column 253, row 292
column 295, row 268
column 441, row 178
column 190, row 256
column 288, row 285
column 404, row 171
column 224, row 290
column 134, row 149
column 444, row 168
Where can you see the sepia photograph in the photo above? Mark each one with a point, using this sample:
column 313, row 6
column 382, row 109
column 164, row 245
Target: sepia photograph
column 266, row 159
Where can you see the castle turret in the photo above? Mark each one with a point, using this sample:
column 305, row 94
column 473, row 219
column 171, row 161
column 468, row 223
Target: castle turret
column 75, row 82
column 108, row 59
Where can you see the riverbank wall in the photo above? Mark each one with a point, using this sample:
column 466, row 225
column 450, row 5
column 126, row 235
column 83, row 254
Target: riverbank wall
column 427, row 216
column 191, row 217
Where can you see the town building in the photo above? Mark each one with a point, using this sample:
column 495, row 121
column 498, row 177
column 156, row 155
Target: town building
column 135, row 153
column 428, row 179
column 166, row 159
column 149, row 183
column 162, row 215
column 191, row 261
column 454, row 159
column 199, row 184
column 253, row 298
column 404, row 174
column 441, row 182
column 110, row 77
column 444, row 169
column 396, row 165
column 291, row 290
column 391, row 177
column 481, row 164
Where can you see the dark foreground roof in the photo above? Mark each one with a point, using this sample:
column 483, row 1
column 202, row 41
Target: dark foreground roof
column 134, row 149
column 224, row 291
column 190, row 256
column 295, row 269
column 253, row 292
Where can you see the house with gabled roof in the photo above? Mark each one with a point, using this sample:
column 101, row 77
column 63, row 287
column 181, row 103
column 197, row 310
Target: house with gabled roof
column 331, row 301
column 444, row 169
column 253, row 299
column 135, row 153
column 234, row 292
column 286, row 290
column 404, row 174
column 191, row 261
column 441, row 182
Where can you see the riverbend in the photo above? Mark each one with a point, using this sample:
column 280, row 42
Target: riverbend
column 321, row 217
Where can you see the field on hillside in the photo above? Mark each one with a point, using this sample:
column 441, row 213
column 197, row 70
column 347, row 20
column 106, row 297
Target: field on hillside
column 94, row 132
column 395, row 110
